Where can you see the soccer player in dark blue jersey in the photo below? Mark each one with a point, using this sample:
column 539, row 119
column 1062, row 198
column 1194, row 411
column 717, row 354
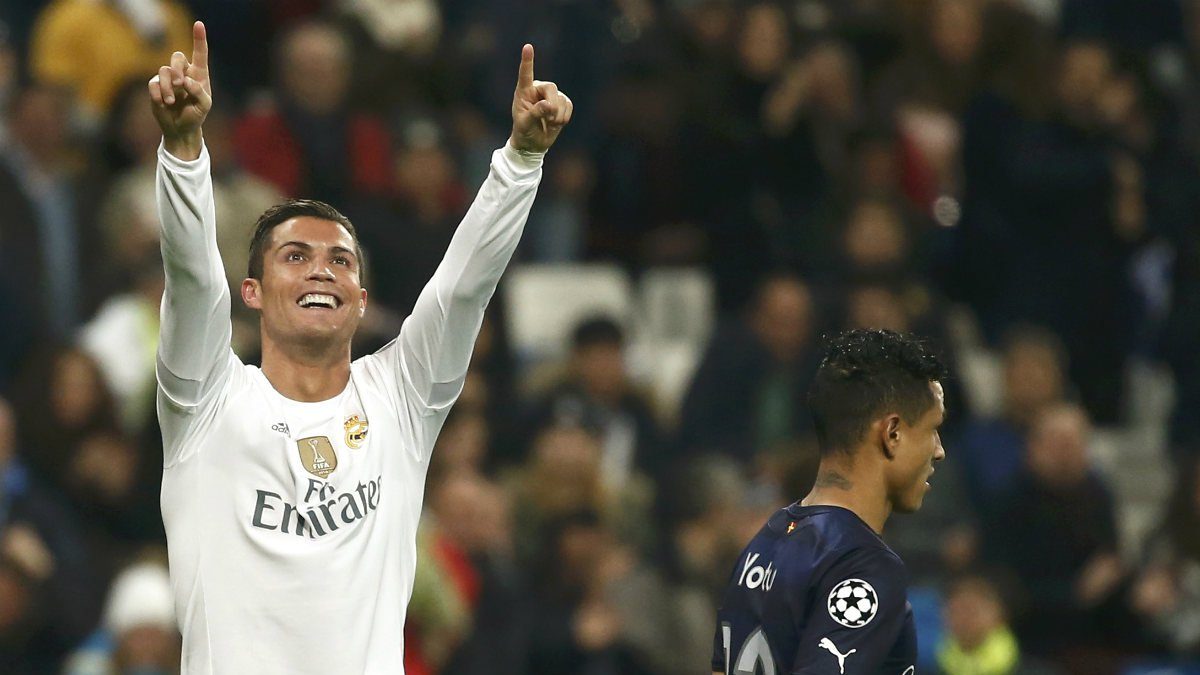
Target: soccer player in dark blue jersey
column 817, row 590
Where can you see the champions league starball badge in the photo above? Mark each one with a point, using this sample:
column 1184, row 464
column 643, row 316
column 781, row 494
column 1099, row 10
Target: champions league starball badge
column 853, row 603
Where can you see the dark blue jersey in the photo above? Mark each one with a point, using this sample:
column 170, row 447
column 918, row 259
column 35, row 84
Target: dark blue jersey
column 816, row 591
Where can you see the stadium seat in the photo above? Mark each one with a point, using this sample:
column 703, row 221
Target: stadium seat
column 666, row 369
column 545, row 302
column 981, row 372
column 676, row 305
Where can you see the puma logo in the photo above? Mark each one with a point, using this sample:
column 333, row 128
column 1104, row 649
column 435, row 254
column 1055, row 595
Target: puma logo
column 826, row 643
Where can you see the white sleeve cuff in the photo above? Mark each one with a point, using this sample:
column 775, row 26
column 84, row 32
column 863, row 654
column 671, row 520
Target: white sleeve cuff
column 519, row 162
column 181, row 165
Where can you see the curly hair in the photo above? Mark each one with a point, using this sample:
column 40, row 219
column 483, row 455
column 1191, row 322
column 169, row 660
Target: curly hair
column 865, row 374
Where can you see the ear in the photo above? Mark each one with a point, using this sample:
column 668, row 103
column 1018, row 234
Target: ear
column 252, row 293
column 890, row 428
column 362, row 304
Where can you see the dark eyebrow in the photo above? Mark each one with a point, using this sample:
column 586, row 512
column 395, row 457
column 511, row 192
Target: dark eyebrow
column 308, row 247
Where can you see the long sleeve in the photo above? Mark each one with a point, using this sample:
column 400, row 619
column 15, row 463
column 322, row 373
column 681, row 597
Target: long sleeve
column 194, row 340
column 435, row 343
column 855, row 617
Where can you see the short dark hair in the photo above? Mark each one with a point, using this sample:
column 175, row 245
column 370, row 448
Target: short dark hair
column 295, row 208
column 867, row 373
column 597, row 330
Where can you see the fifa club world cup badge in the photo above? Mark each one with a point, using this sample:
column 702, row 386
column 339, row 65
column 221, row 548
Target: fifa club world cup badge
column 317, row 455
column 356, row 432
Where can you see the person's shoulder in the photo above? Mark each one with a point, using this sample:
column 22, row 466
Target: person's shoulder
column 838, row 537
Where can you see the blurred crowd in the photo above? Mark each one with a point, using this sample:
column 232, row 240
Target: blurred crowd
column 1016, row 180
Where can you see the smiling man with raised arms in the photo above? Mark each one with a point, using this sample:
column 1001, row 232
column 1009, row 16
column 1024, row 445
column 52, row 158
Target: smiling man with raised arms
column 291, row 493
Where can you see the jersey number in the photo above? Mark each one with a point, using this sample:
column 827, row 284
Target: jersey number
column 755, row 651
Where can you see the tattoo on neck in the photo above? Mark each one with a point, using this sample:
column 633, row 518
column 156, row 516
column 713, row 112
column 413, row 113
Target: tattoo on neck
column 833, row 479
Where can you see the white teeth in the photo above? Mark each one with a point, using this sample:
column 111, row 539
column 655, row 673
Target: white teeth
column 318, row 300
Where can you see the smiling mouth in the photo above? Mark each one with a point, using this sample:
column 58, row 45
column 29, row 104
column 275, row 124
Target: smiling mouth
column 318, row 301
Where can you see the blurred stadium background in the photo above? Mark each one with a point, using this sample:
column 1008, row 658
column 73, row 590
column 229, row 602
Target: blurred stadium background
column 1018, row 180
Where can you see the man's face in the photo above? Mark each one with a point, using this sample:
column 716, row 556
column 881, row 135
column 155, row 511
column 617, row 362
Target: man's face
column 783, row 319
column 1032, row 380
column 601, row 368
column 316, row 70
column 310, row 294
column 1056, row 451
column 917, row 447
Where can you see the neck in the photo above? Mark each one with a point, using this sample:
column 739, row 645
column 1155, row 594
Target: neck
column 843, row 482
column 306, row 375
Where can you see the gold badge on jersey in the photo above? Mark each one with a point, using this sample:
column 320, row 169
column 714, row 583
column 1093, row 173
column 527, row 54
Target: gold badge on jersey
column 356, row 432
column 317, row 455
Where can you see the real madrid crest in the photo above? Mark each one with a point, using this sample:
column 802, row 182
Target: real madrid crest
column 317, row 455
column 356, row 432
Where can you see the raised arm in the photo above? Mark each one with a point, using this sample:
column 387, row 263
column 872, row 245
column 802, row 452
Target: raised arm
column 436, row 341
column 195, row 330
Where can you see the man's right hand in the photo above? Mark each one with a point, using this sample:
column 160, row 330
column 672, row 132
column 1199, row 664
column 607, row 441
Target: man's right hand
column 181, row 96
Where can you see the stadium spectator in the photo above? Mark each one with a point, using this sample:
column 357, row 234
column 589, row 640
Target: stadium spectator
column 1056, row 532
column 1049, row 183
column 992, row 450
column 60, row 400
column 472, row 515
column 438, row 613
column 577, row 627
column 563, row 476
column 48, row 589
column 40, row 224
column 595, row 392
column 138, row 633
column 978, row 640
column 747, row 396
column 118, row 41
column 309, row 139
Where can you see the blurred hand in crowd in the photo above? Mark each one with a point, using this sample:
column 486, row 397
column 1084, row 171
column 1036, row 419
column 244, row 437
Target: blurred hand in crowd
column 1156, row 592
column 596, row 625
column 21, row 546
column 1099, row 579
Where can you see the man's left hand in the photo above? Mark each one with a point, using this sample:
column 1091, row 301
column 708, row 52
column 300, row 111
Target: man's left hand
column 539, row 109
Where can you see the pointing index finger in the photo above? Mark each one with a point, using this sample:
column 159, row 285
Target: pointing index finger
column 525, row 74
column 199, row 45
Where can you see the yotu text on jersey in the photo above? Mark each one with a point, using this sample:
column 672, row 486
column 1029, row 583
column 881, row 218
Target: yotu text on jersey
column 756, row 576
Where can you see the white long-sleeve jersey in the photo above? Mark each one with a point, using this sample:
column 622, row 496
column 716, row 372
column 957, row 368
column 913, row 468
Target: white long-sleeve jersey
column 291, row 526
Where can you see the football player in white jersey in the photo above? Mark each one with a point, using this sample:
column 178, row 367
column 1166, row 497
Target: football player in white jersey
column 291, row 493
